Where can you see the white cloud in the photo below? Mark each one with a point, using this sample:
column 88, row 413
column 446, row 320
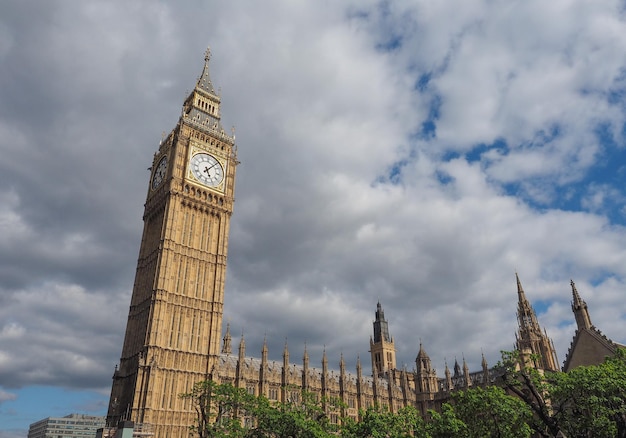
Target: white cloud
column 5, row 396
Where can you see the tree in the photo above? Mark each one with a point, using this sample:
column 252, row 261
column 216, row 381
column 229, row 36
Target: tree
column 380, row 423
column 530, row 386
column 446, row 424
column 590, row 401
column 226, row 411
column 305, row 418
column 491, row 412
column 220, row 409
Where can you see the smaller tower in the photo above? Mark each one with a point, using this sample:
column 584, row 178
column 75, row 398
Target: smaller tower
column 426, row 376
column 426, row 382
column 264, row 370
column 241, row 362
column 286, row 382
column 305, row 369
column 286, row 355
column 449, row 384
column 466, row 374
column 579, row 307
column 226, row 346
column 531, row 339
column 382, row 347
column 485, row 367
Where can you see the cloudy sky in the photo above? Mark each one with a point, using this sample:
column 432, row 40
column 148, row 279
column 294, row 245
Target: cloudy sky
column 419, row 153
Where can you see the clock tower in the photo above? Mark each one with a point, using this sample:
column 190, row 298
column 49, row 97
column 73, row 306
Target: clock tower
column 174, row 323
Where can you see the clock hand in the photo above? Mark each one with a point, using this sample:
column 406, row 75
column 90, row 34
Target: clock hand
column 206, row 169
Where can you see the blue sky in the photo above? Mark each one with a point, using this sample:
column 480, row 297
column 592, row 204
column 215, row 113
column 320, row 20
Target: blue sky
column 415, row 153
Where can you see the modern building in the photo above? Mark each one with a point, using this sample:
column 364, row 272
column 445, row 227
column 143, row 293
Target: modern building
column 174, row 330
column 70, row 426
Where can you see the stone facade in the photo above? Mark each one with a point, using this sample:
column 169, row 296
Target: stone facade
column 388, row 386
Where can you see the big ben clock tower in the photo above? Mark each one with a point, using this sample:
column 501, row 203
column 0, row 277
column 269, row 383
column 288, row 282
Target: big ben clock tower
column 174, row 323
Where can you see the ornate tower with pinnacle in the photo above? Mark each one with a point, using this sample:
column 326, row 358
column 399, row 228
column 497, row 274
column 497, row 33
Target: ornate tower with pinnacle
column 534, row 346
column 174, row 323
column 382, row 347
column 579, row 307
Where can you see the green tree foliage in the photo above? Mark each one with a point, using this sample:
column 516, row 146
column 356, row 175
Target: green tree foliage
column 446, row 424
column 380, row 423
column 297, row 419
column 588, row 401
column 531, row 387
column 226, row 411
column 491, row 412
column 219, row 409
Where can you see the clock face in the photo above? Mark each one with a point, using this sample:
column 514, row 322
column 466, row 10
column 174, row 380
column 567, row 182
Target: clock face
column 159, row 173
column 207, row 170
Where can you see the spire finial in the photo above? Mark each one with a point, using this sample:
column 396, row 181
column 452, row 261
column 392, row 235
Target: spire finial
column 579, row 307
column 520, row 290
column 577, row 299
column 204, row 81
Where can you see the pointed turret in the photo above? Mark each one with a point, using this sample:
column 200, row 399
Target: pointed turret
column 579, row 307
column 425, row 374
column 531, row 339
column 342, row 375
column 204, row 81
column 325, row 383
column 466, row 374
column 382, row 347
column 226, row 346
column 286, row 355
column 239, row 373
column 422, row 360
column 305, row 369
column 381, row 327
column 449, row 384
column 305, row 357
column 202, row 107
column 264, row 351
column 242, row 348
column 342, row 364
column 486, row 378
column 589, row 346
column 285, row 371
column 404, row 385
column 525, row 312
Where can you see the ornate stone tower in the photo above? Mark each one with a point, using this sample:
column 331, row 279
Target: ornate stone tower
column 174, row 323
column 382, row 347
column 579, row 307
column 534, row 346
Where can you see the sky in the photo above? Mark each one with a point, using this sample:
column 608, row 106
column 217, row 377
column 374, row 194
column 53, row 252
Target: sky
column 417, row 153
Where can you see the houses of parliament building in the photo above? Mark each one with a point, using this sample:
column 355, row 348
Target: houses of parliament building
column 174, row 338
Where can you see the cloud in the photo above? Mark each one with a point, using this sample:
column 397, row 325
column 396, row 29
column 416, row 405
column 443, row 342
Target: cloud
column 417, row 154
column 5, row 396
